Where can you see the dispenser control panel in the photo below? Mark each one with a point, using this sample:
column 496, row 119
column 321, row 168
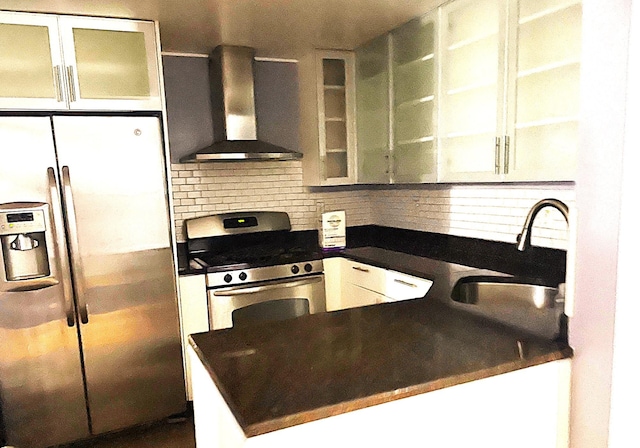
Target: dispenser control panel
column 24, row 256
column 21, row 222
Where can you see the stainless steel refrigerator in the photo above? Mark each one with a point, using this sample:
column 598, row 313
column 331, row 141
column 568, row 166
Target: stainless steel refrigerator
column 89, row 330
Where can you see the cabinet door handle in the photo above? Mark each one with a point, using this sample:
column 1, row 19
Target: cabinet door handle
column 506, row 154
column 497, row 156
column 72, row 86
column 58, row 83
column 358, row 268
column 402, row 282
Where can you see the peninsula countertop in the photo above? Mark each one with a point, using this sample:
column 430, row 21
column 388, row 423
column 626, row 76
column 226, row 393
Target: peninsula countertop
column 279, row 374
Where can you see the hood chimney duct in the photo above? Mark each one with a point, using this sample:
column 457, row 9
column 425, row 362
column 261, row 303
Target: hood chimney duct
column 234, row 111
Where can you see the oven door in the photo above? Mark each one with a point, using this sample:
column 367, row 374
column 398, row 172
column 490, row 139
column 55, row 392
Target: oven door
column 224, row 301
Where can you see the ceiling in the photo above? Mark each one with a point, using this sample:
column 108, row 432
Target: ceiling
column 275, row 28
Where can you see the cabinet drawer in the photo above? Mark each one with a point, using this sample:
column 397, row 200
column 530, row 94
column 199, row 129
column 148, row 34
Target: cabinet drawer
column 365, row 276
column 403, row 287
column 354, row 295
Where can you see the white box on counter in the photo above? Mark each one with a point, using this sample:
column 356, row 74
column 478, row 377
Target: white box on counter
column 333, row 231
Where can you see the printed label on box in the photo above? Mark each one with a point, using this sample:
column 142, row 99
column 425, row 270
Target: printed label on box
column 334, row 230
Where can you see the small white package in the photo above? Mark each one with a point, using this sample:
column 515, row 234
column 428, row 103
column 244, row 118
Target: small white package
column 333, row 231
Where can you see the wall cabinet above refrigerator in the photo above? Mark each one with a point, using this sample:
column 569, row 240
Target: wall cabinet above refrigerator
column 50, row 62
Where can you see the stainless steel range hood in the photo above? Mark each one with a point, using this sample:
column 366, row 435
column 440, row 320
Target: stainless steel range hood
column 234, row 112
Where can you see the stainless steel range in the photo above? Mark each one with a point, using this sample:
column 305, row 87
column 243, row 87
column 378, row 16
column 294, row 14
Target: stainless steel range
column 256, row 268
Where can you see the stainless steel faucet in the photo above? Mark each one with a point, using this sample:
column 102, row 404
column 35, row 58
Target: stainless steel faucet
column 524, row 239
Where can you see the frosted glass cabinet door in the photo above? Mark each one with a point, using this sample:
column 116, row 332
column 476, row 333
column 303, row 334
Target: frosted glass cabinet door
column 471, row 92
column 414, row 93
column 30, row 62
column 111, row 63
column 544, row 87
column 372, row 105
column 396, row 82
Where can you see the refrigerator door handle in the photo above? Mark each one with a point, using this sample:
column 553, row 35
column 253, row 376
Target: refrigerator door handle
column 62, row 253
column 72, row 227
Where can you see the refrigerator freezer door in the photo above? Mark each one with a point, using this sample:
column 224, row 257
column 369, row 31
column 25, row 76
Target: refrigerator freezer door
column 41, row 387
column 114, row 186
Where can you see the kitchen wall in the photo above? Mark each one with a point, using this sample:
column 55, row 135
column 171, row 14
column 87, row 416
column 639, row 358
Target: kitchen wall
column 205, row 188
column 489, row 212
column 493, row 212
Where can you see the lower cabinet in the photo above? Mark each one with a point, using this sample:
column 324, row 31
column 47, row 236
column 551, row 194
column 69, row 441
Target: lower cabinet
column 361, row 284
column 526, row 408
column 350, row 284
column 399, row 286
column 333, row 282
column 354, row 295
column 194, row 316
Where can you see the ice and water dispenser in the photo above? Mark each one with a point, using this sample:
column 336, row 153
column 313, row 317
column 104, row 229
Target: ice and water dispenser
column 25, row 264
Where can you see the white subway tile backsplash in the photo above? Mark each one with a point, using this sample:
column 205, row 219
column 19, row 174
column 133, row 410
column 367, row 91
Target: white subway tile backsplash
column 494, row 212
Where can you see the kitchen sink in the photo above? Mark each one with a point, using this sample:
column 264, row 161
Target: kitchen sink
column 526, row 304
column 506, row 290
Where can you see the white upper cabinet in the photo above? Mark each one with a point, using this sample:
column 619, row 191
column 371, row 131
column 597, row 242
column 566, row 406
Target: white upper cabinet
column 396, row 105
column 544, row 88
column 50, row 62
column 30, row 62
column 414, row 96
column 327, row 117
column 509, row 100
column 471, row 119
column 111, row 63
column 337, row 116
column 373, row 112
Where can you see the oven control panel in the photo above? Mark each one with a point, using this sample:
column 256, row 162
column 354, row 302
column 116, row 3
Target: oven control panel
column 305, row 268
column 241, row 276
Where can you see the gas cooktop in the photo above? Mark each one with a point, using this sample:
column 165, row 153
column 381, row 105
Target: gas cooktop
column 251, row 246
column 257, row 256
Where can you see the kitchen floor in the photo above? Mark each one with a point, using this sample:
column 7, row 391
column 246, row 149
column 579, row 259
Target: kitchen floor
column 170, row 434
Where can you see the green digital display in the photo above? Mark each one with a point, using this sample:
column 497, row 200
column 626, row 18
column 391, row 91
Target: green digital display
column 237, row 223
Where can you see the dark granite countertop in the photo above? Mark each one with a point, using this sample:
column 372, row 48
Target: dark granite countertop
column 535, row 262
column 279, row 374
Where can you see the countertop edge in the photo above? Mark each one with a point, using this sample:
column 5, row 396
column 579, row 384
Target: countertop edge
column 219, row 386
column 305, row 416
column 386, row 397
column 252, row 430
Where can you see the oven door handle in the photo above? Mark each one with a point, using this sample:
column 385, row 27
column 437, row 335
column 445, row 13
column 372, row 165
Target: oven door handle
column 278, row 284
